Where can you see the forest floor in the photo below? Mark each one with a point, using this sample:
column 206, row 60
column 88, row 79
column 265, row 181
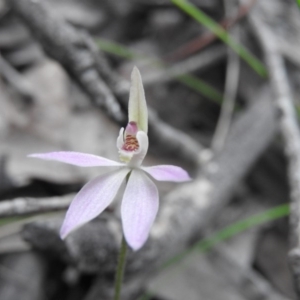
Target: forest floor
column 222, row 83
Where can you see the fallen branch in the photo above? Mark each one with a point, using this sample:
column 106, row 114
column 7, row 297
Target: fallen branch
column 289, row 131
column 26, row 206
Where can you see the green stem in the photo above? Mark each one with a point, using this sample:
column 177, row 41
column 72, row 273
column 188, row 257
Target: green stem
column 120, row 269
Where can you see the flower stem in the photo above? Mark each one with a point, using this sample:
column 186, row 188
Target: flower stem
column 120, row 269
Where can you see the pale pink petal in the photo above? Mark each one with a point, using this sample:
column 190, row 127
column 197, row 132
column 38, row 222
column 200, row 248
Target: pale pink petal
column 139, row 155
column 92, row 199
column 77, row 159
column 139, row 208
column 167, row 173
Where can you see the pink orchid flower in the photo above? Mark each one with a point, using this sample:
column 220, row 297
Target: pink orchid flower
column 140, row 201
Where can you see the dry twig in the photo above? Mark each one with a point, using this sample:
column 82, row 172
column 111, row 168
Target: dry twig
column 231, row 86
column 26, row 206
column 17, row 81
column 198, row 62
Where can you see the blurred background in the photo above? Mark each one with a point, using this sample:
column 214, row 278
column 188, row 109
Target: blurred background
column 222, row 81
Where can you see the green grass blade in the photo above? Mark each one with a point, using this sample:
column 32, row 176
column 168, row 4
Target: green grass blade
column 230, row 231
column 298, row 2
column 117, row 49
column 189, row 80
column 8, row 220
column 297, row 108
column 238, row 227
column 202, row 87
column 222, row 34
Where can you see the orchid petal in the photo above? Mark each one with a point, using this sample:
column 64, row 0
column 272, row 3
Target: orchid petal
column 77, row 159
column 92, row 199
column 167, row 173
column 137, row 107
column 139, row 155
column 139, row 208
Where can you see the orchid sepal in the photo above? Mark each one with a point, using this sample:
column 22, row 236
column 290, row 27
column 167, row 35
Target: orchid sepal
column 167, row 173
column 77, row 159
column 137, row 107
column 86, row 205
column 139, row 208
